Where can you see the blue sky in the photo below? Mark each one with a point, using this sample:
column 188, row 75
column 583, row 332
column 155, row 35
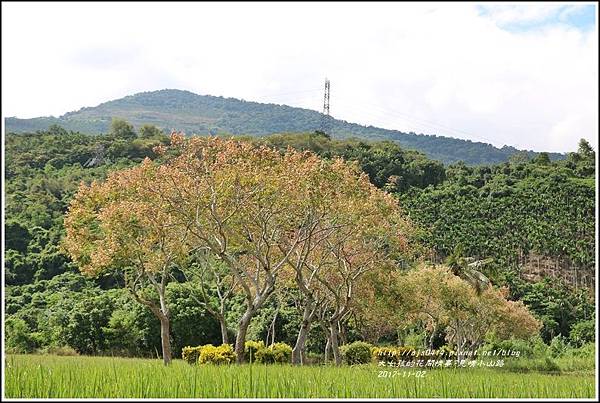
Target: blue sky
column 584, row 18
column 522, row 17
column 517, row 74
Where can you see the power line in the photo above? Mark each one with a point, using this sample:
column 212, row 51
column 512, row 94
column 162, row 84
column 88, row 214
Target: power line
column 423, row 123
column 373, row 110
column 437, row 126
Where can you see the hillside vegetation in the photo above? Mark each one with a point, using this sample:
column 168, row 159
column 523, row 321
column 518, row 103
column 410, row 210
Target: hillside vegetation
column 205, row 114
column 460, row 213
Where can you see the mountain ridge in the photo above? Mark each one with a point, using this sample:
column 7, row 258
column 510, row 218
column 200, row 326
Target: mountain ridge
column 208, row 114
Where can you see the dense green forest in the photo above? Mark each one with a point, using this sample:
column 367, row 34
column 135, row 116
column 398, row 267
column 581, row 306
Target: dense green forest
column 492, row 212
column 194, row 113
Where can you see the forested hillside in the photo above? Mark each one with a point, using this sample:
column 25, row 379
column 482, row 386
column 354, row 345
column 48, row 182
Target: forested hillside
column 495, row 213
column 461, row 213
column 204, row 114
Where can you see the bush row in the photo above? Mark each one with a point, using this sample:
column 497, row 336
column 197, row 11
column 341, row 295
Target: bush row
column 360, row 352
column 255, row 351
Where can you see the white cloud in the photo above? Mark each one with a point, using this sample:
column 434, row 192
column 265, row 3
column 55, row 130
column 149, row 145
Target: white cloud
column 432, row 68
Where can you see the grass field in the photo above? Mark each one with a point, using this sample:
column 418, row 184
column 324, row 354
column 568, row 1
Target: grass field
column 43, row 376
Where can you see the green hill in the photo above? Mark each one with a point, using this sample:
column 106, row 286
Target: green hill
column 204, row 114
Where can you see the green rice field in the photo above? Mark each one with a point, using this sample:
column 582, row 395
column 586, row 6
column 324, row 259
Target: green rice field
column 46, row 376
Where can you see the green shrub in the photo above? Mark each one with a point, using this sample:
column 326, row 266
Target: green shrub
column 19, row 338
column 275, row 353
column 222, row 354
column 251, row 347
column 414, row 338
column 546, row 364
column 586, row 351
column 559, row 346
column 540, row 349
column 191, row 354
column 282, row 352
column 582, row 333
column 358, row 352
column 58, row 350
column 264, row 356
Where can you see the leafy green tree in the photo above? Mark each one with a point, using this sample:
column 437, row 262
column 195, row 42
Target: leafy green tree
column 56, row 130
column 150, row 131
column 521, row 157
column 122, row 336
column 19, row 338
column 121, row 129
column 18, row 268
column 84, row 331
column 192, row 324
column 585, row 150
column 322, row 134
column 583, row 332
column 212, row 285
column 542, row 159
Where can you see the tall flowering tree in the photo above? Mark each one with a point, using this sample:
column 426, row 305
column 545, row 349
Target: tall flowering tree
column 259, row 211
column 241, row 203
column 355, row 228
column 123, row 224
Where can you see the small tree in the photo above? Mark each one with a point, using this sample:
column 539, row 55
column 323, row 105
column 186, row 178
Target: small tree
column 585, row 150
column 121, row 129
column 542, row 159
column 150, row 131
column 444, row 300
column 520, row 157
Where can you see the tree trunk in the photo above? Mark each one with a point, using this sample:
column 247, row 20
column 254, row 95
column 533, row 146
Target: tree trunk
column 165, row 339
column 327, row 349
column 271, row 330
column 165, row 323
column 298, row 356
column 252, row 306
column 460, row 342
column 432, row 337
column 240, row 341
column 342, row 333
column 223, row 324
column 298, row 352
column 335, row 349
